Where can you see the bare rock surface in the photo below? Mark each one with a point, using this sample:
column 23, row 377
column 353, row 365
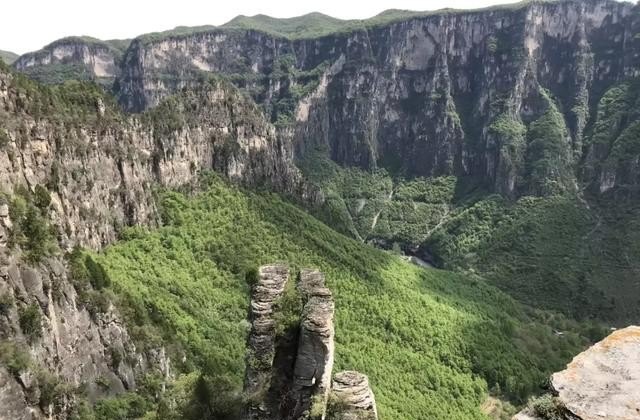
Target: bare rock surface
column 353, row 397
column 272, row 280
column 603, row 382
column 314, row 364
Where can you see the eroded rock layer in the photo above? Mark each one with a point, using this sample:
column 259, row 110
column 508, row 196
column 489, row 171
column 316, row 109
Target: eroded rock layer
column 314, row 362
column 277, row 395
column 272, row 280
column 352, row 398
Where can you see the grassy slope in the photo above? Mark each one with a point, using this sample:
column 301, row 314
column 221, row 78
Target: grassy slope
column 426, row 338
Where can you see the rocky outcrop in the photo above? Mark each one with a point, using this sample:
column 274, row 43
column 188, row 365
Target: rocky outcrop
column 352, row 398
column 314, row 361
column 602, row 382
column 273, row 392
column 272, row 280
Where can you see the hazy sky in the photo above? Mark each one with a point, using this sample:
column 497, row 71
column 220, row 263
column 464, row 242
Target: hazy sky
column 28, row 25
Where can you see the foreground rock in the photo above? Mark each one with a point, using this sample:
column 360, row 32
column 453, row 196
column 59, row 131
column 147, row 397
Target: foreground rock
column 289, row 374
column 312, row 374
column 602, row 382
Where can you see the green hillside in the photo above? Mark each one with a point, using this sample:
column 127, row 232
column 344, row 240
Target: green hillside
column 8, row 57
column 433, row 342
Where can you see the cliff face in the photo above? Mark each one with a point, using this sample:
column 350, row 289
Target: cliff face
column 100, row 170
column 505, row 95
column 74, row 57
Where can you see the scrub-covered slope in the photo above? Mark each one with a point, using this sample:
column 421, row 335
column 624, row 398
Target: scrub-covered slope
column 431, row 341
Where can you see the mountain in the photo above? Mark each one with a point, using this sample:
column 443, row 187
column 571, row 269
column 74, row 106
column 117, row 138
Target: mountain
column 461, row 185
column 8, row 57
column 79, row 172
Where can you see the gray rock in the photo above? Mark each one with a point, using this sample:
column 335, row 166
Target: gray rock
column 352, row 398
column 314, row 362
column 272, row 280
column 603, row 382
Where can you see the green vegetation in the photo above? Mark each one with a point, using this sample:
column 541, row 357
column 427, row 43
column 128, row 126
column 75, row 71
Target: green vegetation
column 552, row 252
column 89, row 278
column 57, row 73
column 30, row 321
column 312, row 25
column 432, row 342
column 69, row 103
column 14, row 356
column 549, row 159
column 373, row 206
column 548, row 408
column 31, row 230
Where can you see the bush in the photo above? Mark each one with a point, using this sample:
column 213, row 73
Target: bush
column 548, row 407
column 30, row 321
column 31, row 230
column 124, row 407
column 97, row 275
column 6, row 303
column 41, row 197
column 14, row 357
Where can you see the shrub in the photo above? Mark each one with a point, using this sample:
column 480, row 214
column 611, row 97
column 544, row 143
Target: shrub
column 30, row 321
column 41, row 197
column 14, row 357
column 97, row 275
column 6, row 302
column 548, row 407
column 287, row 310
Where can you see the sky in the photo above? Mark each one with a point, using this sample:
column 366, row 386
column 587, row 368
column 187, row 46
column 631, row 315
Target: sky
column 28, row 25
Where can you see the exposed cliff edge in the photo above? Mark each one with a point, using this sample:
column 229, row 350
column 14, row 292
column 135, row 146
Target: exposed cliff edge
column 601, row 382
column 302, row 387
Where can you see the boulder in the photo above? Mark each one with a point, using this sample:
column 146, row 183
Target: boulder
column 352, row 398
column 603, row 382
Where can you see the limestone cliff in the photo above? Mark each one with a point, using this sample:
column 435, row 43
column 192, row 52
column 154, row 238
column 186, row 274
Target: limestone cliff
column 505, row 96
column 502, row 95
column 82, row 58
column 100, row 166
